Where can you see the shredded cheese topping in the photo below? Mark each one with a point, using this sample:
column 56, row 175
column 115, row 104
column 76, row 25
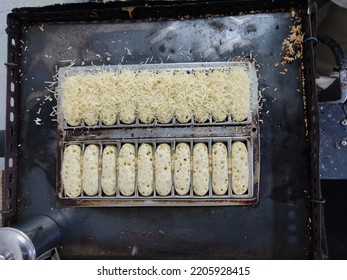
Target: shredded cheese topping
column 156, row 95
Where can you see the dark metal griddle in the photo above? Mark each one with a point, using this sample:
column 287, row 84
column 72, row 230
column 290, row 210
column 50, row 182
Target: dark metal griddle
column 287, row 221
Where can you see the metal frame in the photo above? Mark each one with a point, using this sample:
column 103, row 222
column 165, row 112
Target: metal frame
column 190, row 199
column 313, row 137
column 171, row 133
column 9, row 194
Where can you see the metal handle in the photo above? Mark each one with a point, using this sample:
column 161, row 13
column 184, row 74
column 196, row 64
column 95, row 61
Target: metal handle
column 43, row 232
column 340, row 86
column 35, row 238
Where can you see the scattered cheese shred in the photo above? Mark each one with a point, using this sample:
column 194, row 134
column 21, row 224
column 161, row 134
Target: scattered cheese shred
column 292, row 44
column 38, row 121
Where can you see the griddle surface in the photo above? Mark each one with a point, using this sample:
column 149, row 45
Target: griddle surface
column 276, row 228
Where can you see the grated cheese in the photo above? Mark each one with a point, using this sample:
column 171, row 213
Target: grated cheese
column 37, row 121
column 292, row 44
column 156, row 95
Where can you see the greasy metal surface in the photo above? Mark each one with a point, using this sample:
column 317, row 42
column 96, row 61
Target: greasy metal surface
column 281, row 218
column 156, row 132
column 333, row 149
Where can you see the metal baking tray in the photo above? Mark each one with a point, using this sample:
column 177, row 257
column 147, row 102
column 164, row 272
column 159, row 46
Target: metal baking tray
column 189, row 67
column 166, row 133
column 288, row 218
column 191, row 199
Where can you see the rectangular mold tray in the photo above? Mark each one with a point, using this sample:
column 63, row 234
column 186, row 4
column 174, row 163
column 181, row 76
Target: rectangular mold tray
column 173, row 198
column 65, row 72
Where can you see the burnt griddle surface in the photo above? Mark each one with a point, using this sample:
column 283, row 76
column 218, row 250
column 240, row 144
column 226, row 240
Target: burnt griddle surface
column 276, row 228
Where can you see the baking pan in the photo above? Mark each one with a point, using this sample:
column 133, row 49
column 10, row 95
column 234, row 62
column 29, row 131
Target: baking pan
column 171, row 133
column 249, row 68
column 172, row 199
column 288, row 217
